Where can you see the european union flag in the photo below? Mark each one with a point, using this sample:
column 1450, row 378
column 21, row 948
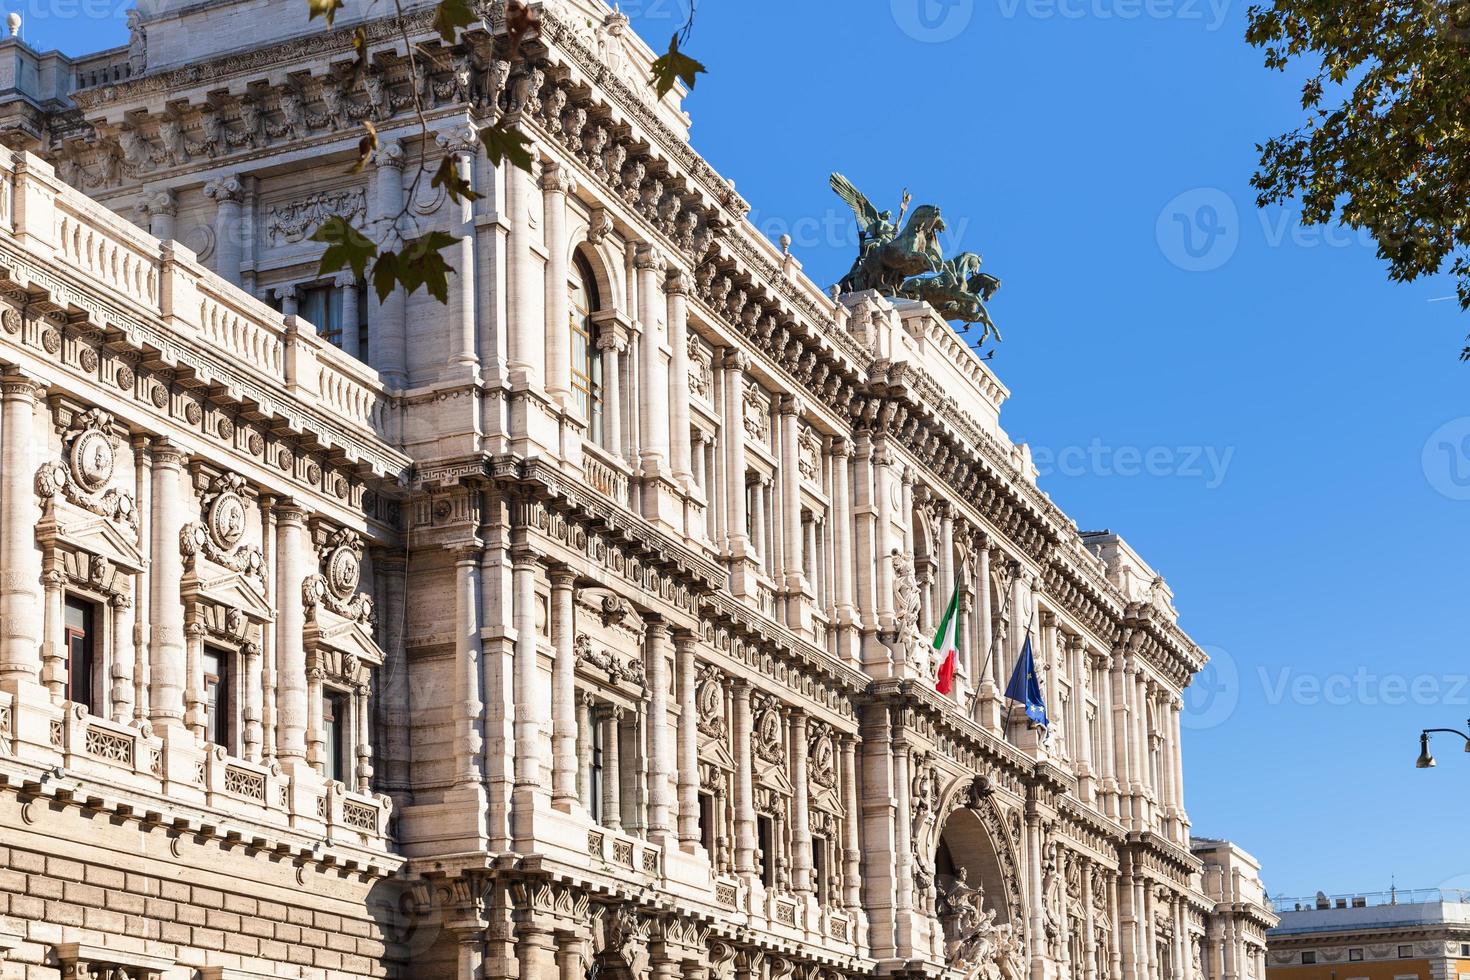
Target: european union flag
column 1025, row 688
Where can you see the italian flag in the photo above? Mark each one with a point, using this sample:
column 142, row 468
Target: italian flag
column 946, row 644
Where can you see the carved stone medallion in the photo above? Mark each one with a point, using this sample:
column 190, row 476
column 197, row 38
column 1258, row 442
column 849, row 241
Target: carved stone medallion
column 92, row 460
column 344, row 570
column 227, row 519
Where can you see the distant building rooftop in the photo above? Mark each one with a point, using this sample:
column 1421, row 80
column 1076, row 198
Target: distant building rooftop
column 1368, row 910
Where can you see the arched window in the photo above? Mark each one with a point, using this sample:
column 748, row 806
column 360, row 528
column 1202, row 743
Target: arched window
column 586, row 354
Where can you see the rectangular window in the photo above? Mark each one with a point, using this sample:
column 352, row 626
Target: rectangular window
column 322, row 306
column 334, row 731
column 1406, row 952
column 1465, row 949
column 707, row 822
column 765, row 841
column 1355, row 955
column 820, row 873
column 219, row 699
column 595, row 776
column 1309, row 957
column 83, row 653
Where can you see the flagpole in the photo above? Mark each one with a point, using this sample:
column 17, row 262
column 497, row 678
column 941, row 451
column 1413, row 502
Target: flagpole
column 990, row 647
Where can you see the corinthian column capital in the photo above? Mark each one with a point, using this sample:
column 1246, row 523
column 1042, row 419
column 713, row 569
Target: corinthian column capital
column 224, row 189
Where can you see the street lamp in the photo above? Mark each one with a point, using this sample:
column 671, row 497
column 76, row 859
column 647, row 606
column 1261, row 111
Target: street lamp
column 1425, row 760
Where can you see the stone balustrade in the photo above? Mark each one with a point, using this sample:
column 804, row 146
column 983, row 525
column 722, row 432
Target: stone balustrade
column 158, row 295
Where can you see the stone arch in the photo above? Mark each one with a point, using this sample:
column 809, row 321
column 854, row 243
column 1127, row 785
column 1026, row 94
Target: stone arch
column 607, row 270
column 972, row 836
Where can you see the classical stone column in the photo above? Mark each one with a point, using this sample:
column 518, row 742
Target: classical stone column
column 1050, row 663
column 801, row 831
column 793, row 577
column 1089, row 936
column 1176, row 705
column 268, row 631
column 612, row 346
column 194, row 680
column 229, row 233
column 555, row 184
column 316, row 733
column 387, row 330
column 686, row 677
column 536, row 952
column 744, row 791
column 527, row 352
column 469, row 704
column 733, row 430
column 570, row 963
column 20, row 571
column 121, row 695
column 563, row 692
column 852, row 868
column 162, row 208
column 54, row 672
column 610, row 718
column 143, row 490
column 293, row 550
column 584, row 749
column 460, row 145
column 1036, row 912
column 656, row 643
column 250, row 694
column 529, row 697
column 840, row 452
column 351, row 342
column 653, row 415
column 676, row 290
column 166, row 571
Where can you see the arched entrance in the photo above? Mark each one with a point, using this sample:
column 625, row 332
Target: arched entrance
column 977, row 888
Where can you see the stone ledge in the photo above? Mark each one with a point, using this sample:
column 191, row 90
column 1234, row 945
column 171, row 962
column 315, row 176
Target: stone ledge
column 72, row 955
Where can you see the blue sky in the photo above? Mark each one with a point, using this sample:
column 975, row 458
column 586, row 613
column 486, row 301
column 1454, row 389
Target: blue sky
column 1284, row 434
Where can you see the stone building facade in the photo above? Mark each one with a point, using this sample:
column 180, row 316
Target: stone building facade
column 579, row 624
column 1422, row 934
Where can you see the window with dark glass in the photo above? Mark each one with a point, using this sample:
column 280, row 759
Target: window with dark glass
column 1309, row 957
column 707, row 821
column 819, row 868
column 586, row 354
column 765, row 838
column 83, row 653
column 334, row 732
column 595, row 775
column 322, row 307
column 219, row 698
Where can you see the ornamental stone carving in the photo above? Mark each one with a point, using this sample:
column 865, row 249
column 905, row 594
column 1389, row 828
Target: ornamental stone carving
column 87, row 464
column 295, row 221
column 218, row 534
column 335, row 585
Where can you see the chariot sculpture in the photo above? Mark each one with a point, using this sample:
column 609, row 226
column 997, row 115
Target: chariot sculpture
column 904, row 259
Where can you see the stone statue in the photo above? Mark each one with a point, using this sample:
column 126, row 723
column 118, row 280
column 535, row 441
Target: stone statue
column 910, row 264
column 906, row 605
column 137, row 43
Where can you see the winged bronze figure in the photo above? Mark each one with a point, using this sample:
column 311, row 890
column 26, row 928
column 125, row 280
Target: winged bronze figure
column 910, row 263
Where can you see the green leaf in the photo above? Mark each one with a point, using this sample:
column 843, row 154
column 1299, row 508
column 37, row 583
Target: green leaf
column 419, row 263
column 346, row 247
column 447, row 177
column 366, row 146
column 449, row 15
column 674, row 65
column 506, row 144
column 323, row 8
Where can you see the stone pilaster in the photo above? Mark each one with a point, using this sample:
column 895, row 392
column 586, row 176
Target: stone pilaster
column 227, row 193
column 293, row 549
column 167, row 664
column 685, row 677
column 387, row 327
column 20, row 573
column 556, row 183
column 563, row 692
